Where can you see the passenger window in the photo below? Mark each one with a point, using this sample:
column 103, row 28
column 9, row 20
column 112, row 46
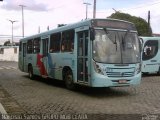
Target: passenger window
column 36, row 45
column 67, row 44
column 29, row 46
column 55, row 42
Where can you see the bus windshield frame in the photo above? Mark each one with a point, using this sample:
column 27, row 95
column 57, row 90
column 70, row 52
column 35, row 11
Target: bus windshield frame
column 113, row 46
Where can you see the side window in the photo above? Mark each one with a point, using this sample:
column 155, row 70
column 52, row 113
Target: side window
column 150, row 49
column 29, row 46
column 55, row 42
column 36, row 45
column 67, row 44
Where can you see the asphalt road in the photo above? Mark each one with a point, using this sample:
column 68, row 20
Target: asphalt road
column 20, row 95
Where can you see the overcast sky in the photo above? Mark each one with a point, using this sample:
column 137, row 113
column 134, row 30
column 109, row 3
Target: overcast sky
column 45, row 13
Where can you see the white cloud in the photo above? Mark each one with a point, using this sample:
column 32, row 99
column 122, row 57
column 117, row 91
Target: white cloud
column 154, row 16
column 45, row 13
column 55, row 12
column 30, row 5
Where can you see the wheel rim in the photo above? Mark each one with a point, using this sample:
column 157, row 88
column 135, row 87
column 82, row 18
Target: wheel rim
column 69, row 80
column 30, row 72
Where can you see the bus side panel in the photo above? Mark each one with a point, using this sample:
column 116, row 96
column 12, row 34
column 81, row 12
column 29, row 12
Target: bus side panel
column 56, row 63
column 31, row 59
column 35, row 65
column 54, row 69
column 148, row 67
column 51, row 64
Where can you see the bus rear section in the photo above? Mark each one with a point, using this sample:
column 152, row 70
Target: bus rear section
column 150, row 55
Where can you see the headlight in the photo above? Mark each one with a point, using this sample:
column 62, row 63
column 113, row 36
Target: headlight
column 97, row 68
column 138, row 68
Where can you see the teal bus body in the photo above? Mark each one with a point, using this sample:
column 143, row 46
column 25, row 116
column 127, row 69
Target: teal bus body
column 94, row 52
column 150, row 54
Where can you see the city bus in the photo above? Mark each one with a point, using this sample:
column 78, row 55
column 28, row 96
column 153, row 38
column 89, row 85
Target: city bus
column 93, row 52
column 150, row 55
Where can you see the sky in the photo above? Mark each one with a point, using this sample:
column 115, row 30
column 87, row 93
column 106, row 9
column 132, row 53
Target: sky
column 39, row 14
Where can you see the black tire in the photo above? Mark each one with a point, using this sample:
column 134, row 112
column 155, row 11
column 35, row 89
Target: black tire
column 68, row 78
column 146, row 73
column 30, row 72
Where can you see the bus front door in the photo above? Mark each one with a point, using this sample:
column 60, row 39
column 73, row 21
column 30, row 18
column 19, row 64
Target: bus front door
column 44, row 65
column 82, row 61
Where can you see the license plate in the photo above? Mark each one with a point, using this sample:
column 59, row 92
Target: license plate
column 122, row 81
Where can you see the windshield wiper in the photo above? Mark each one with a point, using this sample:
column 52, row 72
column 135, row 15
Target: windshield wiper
column 114, row 42
column 123, row 39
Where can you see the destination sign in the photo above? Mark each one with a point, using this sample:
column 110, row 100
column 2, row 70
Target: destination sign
column 115, row 24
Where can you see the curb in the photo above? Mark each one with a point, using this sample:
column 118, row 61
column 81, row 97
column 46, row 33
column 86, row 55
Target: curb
column 2, row 110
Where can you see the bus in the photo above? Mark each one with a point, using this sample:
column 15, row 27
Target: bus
column 93, row 52
column 150, row 55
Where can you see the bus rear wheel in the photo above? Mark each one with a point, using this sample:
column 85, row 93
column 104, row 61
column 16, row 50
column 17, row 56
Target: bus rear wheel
column 68, row 77
column 30, row 72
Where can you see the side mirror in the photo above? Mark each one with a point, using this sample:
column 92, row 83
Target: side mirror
column 92, row 34
column 141, row 43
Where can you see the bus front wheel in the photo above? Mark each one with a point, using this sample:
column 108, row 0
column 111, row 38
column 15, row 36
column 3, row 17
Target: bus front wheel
column 30, row 72
column 69, row 80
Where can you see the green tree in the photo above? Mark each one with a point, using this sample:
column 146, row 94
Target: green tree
column 142, row 26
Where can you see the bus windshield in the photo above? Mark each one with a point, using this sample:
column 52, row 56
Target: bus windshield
column 117, row 47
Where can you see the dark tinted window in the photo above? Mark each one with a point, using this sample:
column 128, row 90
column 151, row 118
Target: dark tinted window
column 150, row 49
column 36, row 45
column 67, row 44
column 55, row 42
column 29, row 46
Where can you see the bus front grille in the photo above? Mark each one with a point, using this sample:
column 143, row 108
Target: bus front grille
column 120, row 74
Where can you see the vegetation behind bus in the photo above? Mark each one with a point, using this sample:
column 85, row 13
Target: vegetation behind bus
column 142, row 26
